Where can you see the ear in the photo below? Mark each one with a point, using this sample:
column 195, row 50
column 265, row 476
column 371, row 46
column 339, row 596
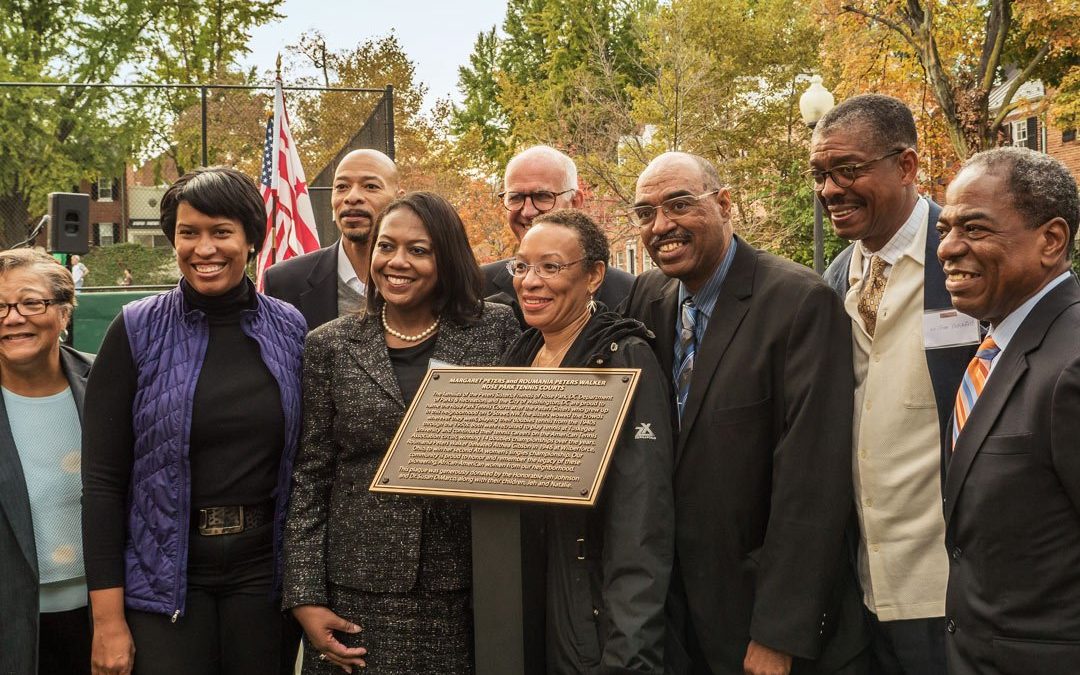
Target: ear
column 578, row 199
column 723, row 198
column 908, row 161
column 1055, row 242
column 596, row 277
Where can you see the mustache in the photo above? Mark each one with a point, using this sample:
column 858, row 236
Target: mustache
column 674, row 235
column 348, row 213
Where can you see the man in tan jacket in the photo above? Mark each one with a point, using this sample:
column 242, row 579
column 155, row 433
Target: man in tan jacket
column 910, row 348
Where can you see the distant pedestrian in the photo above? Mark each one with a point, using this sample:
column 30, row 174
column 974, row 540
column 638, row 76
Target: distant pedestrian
column 125, row 278
column 78, row 272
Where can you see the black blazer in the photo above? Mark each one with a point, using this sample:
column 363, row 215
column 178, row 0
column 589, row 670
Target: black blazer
column 499, row 287
column 946, row 365
column 1012, row 506
column 762, row 477
column 336, row 531
column 18, row 554
column 308, row 283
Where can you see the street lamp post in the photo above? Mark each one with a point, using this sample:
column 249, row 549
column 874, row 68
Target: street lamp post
column 813, row 104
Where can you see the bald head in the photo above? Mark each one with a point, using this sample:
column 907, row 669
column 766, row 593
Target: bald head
column 540, row 169
column 689, row 227
column 365, row 181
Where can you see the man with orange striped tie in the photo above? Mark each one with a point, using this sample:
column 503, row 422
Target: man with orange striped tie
column 1012, row 482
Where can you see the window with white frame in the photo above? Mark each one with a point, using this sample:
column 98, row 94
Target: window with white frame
column 104, row 189
column 619, row 260
column 631, row 258
column 1020, row 134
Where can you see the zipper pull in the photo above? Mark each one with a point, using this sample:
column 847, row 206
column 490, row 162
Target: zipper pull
column 175, row 616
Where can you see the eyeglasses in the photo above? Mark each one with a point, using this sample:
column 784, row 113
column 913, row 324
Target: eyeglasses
column 675, row 207
column 26, row 307
column 845, row 174
column 544, row 270
column 542, row 200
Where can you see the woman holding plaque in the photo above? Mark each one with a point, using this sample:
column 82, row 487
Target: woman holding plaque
column 607, row 567
column 397, row 568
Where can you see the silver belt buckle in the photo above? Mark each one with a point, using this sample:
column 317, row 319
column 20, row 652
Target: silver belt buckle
column 210, row 527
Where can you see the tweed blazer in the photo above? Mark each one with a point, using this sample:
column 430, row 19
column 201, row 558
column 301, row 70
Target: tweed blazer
column 337, row 532
column 18, row 555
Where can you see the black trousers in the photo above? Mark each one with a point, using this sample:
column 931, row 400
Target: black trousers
column 231, row 624
column 908, row 647
column 64, row 642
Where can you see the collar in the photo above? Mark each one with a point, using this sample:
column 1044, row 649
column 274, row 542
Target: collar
column 1003, row 332
column 345, row 269
column 705, row 298
column 905, row 242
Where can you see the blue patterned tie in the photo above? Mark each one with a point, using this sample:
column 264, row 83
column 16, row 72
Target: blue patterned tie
column 684, row 353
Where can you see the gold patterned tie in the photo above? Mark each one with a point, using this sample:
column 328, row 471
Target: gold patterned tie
column 873, row 288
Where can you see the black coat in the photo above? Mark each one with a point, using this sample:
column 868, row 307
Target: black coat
column 762, row 467
column 1012, row 506
column 605, row 614
column 308, row 283
column 18, row 555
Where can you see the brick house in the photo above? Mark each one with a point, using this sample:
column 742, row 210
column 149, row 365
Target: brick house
column 1029, row 125
column 108, row 209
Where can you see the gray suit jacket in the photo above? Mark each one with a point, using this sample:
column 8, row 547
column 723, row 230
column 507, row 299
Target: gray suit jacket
column 336, row 531
column 308, row 283
column 1012, row 506
column 18, row 555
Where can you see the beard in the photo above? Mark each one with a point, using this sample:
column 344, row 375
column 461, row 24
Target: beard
column 357, row 236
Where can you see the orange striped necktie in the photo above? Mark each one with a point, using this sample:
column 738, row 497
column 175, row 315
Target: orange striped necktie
column 972, row 385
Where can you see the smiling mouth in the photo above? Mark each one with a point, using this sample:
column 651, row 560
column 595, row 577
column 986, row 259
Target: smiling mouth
column 841, row 211
column 397, row 281
column 208, row 268
column 961, row 276
column 534, row 303
column 18, row 336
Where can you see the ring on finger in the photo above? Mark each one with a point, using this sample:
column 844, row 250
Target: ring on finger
column 323, row 657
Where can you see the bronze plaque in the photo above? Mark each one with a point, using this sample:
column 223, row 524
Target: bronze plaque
column 510, row 434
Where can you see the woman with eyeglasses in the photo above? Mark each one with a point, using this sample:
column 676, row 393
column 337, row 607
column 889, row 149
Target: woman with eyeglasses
column 192, row 424
column 399, row 568
column 607, row 567
column 44, row 622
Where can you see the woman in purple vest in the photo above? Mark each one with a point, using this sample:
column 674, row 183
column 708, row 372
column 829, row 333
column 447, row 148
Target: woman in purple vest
column 192, row 422
column 397, row 567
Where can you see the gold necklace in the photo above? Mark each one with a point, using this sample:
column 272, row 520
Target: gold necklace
column 408, row 338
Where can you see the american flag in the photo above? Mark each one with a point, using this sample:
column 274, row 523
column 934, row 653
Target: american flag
column 290, row 222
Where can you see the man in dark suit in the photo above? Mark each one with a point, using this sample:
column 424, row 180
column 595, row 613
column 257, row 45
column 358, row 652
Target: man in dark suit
column 538, row 180
column 1012, row 486
column 759, row 351
column 864, row 163
column 330, row 282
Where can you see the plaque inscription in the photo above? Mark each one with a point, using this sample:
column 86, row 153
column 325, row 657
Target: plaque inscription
column 516, row 434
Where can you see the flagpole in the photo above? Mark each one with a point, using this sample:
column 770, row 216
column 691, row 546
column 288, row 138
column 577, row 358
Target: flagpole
column 278, row 98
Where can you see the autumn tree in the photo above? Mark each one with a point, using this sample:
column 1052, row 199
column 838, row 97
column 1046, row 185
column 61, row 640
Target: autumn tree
column 963, row 50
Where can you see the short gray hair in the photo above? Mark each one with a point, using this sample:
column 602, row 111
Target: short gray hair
column 549, row 153
column 56, row 276
column 889, row 121
column 1042, row 188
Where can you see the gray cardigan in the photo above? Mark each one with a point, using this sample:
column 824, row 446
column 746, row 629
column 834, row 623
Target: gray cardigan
column 18, row 555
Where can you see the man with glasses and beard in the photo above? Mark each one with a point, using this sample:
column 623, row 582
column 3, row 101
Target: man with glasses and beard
column 332, row 281
column 538, row 180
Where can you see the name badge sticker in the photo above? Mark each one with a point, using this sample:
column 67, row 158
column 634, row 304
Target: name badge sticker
column 949, row 328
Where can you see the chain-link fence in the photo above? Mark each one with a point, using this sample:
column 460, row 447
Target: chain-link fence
column 123, row 144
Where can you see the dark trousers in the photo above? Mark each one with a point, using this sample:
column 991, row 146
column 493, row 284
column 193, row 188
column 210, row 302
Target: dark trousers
column 64, row 642
column 231, row 624
column 909, row 647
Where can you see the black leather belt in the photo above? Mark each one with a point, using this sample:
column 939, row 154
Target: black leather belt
column 218, row 520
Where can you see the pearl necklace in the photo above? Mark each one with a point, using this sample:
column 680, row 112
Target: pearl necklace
column 408, row 338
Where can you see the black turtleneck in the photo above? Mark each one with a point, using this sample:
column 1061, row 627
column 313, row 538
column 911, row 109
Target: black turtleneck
column 237, row 429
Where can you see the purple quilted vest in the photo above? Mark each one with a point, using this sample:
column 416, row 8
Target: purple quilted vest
column 168, row 343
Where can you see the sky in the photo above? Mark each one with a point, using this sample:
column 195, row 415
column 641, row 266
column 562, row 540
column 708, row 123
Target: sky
column 436, row 35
